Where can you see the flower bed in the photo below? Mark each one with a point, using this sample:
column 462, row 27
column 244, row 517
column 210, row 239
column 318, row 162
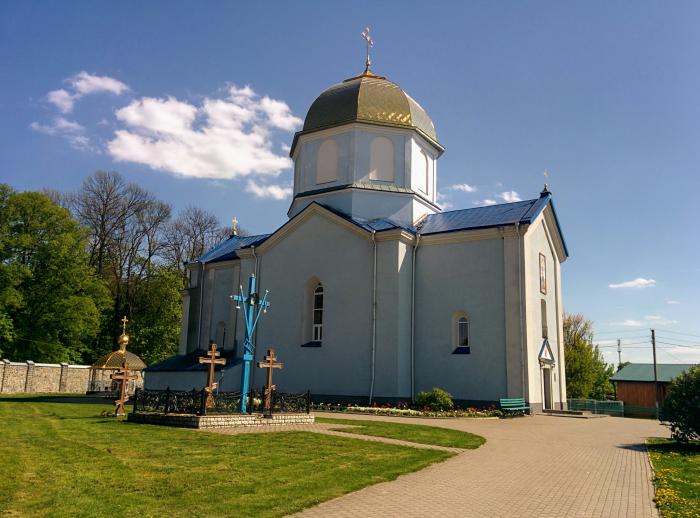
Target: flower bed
column 406, row 410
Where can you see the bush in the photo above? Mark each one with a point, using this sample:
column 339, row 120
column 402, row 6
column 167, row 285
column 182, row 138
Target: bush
column 437, row 400
column 682, row 406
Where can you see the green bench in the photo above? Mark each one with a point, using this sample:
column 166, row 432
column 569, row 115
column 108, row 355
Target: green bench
column 516, row 404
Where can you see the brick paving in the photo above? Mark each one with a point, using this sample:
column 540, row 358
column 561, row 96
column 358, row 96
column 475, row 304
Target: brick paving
column 533, row 466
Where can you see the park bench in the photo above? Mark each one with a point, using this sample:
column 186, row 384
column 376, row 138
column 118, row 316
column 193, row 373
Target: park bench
column 516, row 404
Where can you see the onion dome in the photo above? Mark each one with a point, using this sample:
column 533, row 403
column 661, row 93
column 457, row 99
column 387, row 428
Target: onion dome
column 116, row 359
column 371, row 99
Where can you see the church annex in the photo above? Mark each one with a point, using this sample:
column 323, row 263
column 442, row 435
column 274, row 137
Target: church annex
column 376, row 293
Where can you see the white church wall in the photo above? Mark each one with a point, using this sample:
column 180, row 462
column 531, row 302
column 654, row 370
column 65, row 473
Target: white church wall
column 308, row 176
column 536, row 243
column 342, row 260
column 393, row 345
column 422, row 169
column 469, row 277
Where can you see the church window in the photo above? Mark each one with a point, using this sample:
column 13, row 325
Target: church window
column 421, row 172
column 463, row 332
column 327, row 162
column 382, row 160
column 460, row 333
column 317, row 331
column 543, row 311
column 543, row 274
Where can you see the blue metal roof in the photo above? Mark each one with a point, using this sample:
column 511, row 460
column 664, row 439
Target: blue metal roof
column 505, row 214
column 227, row 250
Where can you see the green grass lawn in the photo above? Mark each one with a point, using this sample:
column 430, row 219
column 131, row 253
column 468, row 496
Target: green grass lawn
column 676, row 476
column 60, row 458
column 409, row 432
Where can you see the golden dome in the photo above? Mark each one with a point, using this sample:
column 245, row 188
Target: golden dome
column 371, row 99
column 115, row 360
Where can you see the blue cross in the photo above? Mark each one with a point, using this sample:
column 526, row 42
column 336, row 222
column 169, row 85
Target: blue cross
column 250, row 316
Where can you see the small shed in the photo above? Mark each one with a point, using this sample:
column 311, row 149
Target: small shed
column 634, row 384
column 102, row 370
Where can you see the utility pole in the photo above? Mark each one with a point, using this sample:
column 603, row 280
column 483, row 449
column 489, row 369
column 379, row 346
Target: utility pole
column 619, row 355
column 656, row 379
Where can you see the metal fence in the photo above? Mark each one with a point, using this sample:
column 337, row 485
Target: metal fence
column 614, row 408
column 193, row 402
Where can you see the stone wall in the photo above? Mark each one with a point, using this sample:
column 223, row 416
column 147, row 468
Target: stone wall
column 30, row 377
column 220, row 421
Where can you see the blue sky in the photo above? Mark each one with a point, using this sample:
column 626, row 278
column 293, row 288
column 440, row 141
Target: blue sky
column 604, row 95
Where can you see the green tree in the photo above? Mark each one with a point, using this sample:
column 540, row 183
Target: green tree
column 156, row 312
column 682, row 406
column 587, row 374
column 52, row 301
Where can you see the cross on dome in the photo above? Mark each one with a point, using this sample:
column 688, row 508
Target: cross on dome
column 369, row 42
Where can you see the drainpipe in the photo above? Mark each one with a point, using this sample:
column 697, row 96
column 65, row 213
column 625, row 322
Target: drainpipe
column 413, row 318
column 523, row 356
column 201, row 302
column 255, row 333
column 374, row 318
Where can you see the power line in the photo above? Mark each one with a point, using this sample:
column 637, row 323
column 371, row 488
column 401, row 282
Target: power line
column 680, row 333
column 673, row 356
column 694, row 346
column 680, row 339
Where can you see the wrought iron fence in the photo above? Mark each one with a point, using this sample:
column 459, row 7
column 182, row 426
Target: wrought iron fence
column 614, row 408
column 194, row 402
column 286, row 403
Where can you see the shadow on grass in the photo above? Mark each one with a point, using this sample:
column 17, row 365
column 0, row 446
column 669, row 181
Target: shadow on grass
column 671, row 446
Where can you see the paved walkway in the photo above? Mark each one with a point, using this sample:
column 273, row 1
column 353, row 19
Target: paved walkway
column 533, row 466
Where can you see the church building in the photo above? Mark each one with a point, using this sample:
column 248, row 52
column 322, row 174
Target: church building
column 376, row 293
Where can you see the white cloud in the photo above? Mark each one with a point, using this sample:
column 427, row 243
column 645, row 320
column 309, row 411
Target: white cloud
column 444, row 201
column 510, row 196
column 487, row 201
column 62, row 100
column 275, row 192
column 639, row 282
column 84, row 83
column 59, row 126
column 220, row 139
column 73, row 132
column 672, row 302
column 464, row 187
column 648, row 320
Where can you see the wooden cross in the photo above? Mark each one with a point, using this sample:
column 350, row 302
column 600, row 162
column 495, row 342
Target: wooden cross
column 212, row 360
column 269, row 364
column 123, row 377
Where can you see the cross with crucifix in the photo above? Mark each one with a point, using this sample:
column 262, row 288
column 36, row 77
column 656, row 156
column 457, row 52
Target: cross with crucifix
column 269, row 364
column 369, row 43
column 123, row 377
column 212, row 360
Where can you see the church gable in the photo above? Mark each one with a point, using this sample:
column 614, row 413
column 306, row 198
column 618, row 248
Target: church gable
column 312, row 211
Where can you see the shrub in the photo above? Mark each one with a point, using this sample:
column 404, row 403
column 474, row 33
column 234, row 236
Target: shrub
column 436, row 400
column 682, row 406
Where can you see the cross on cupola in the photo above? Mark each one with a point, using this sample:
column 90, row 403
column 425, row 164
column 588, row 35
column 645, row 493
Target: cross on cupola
column 369, row 42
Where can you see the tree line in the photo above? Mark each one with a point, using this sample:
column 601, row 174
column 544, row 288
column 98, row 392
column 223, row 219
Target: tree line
column 72, row 263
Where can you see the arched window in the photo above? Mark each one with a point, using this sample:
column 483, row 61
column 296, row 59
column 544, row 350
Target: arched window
column 327, row 162
column 381, row 166
column 317, row 331
column 462, row 332
column 220, row 334
column 426, row 172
